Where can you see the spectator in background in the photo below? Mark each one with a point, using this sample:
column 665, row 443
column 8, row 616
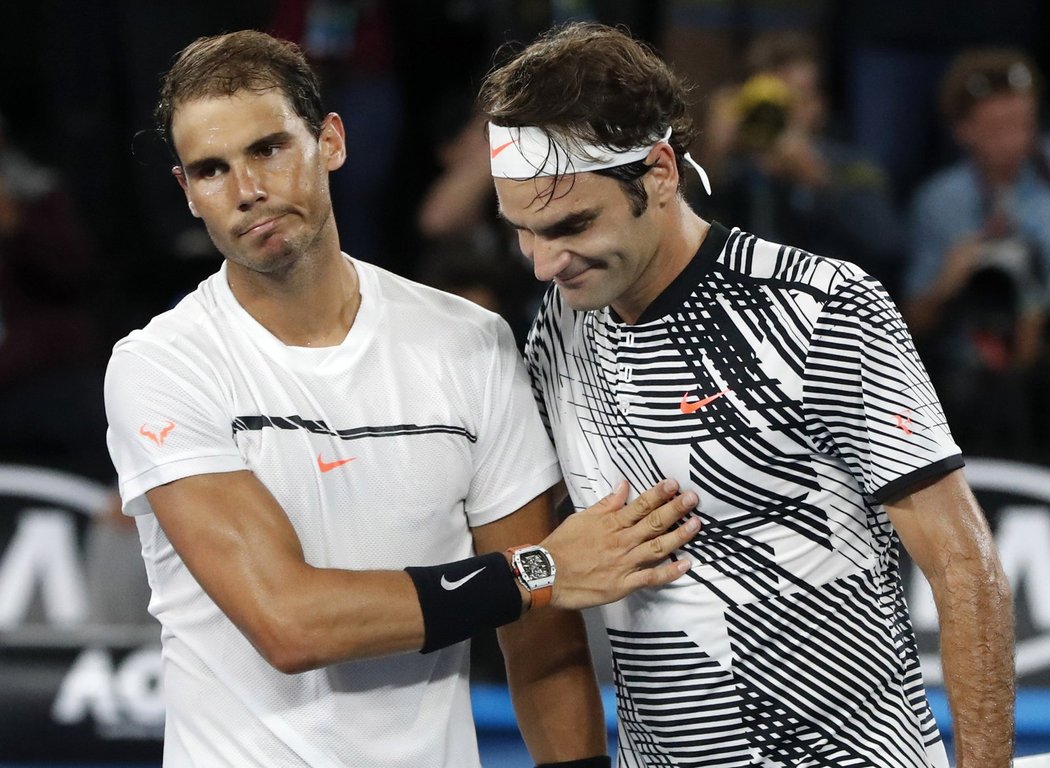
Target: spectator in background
column 977, row 289
column 706, row 39
column 50, row 365
column 351, row 44
column 779, row 174
column 465, row 249
column 894, row 54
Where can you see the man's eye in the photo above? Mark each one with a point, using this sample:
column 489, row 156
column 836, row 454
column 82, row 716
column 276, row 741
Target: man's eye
column 268, row 151
column 208, row 172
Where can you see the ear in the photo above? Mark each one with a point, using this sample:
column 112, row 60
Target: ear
column 333, row 141
column 180, row 177
column 662, row 178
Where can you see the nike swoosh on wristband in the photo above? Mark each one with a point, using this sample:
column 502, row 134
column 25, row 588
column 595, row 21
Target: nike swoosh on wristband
column 451, row 585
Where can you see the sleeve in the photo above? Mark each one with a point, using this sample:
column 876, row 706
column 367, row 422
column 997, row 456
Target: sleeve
column 514, row 460
column 166, row 422
column 868, row 399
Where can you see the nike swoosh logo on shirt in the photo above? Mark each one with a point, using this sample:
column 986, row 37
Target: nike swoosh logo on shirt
column 328, row 466
column 686, row 407
column 451, row 585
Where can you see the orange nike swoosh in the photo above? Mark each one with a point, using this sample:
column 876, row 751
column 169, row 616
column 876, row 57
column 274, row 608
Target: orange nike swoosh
column 328, row 466
column 496, row 150
column 686, row 407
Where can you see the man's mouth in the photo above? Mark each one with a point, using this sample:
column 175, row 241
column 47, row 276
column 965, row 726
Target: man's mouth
column 261, row 226
column 568, row 276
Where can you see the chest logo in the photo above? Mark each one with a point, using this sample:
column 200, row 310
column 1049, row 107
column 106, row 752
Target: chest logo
column 904, row 421
column 328, row 466
column 687, row 407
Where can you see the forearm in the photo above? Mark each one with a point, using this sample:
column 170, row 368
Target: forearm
column 977, row 640
column 553, row 687
column 312, row 617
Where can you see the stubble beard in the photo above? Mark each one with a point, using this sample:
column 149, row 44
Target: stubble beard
column 278, row 260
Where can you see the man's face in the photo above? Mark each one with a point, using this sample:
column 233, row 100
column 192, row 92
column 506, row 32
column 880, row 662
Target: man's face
column 257, row 177
column 586, row 239
column 1000, row 132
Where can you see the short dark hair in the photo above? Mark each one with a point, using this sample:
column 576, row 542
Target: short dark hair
column 247, row 60
column 590, row 83
column 980, row 73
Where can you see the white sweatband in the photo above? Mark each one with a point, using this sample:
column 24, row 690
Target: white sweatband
column 526, row 152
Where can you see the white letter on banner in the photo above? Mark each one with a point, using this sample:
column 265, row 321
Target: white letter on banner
column 1023, row 538
column 139, row 686
column 87, row 689
column 43, row 550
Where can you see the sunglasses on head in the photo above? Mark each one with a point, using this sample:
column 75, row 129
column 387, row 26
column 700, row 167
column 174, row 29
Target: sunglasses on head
column 1017, row 77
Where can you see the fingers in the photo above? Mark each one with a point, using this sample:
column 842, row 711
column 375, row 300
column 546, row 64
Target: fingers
column 614, row 500
column 664, row 516
column 658, row 575
column 651, row 500
column 663, row 545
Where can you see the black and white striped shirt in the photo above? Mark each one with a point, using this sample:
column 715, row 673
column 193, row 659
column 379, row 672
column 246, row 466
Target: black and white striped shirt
column 785, row 389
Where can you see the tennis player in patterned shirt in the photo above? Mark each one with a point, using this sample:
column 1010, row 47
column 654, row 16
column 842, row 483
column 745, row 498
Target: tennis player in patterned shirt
column 785, row 390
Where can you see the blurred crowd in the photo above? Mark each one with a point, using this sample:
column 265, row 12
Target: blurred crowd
column 903, row 135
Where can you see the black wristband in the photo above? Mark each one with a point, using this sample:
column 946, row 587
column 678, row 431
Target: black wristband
column 598, row 761
column 460, row 599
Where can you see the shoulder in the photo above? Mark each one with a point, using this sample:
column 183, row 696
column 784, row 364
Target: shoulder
column 785, row 267
column 434, row 317
column 180, row 326
column 552, row 326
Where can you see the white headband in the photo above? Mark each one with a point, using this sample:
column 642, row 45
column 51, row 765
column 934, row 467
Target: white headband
column 527, row 152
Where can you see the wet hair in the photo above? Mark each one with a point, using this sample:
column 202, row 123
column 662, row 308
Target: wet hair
column 980, row 73
column 239, row 61
column 587, row 83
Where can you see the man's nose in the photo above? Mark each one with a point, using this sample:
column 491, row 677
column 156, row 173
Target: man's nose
column 549, row 258
column 249, row 188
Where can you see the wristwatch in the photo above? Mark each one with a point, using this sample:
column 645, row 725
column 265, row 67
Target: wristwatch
column 534, row 567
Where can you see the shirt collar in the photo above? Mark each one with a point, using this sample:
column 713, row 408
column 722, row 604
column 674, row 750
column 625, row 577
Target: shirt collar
column 672, row 297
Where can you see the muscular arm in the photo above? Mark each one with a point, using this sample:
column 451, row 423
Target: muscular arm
column 239, row 545
column 552, row 682
column 946, row 534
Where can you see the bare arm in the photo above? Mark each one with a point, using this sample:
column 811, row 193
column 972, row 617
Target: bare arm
column 945, row 532
column 241, row 548
column 548, row 661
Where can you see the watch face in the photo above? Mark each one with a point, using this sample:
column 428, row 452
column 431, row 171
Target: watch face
column 535, row 565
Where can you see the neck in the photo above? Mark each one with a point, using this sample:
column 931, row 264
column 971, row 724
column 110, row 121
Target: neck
column 311, row 303
column 684, row 231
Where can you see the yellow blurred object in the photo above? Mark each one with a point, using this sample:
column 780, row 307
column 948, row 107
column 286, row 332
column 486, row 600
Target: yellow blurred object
column 762, row 104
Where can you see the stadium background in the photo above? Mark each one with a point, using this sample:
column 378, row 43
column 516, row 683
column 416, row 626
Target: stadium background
column 79, row 657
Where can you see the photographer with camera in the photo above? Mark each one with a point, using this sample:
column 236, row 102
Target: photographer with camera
column 976, row 288
column 776, row 169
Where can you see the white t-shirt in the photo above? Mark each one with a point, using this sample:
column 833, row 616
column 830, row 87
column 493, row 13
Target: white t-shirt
column 383, row 451
column 785, row 390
